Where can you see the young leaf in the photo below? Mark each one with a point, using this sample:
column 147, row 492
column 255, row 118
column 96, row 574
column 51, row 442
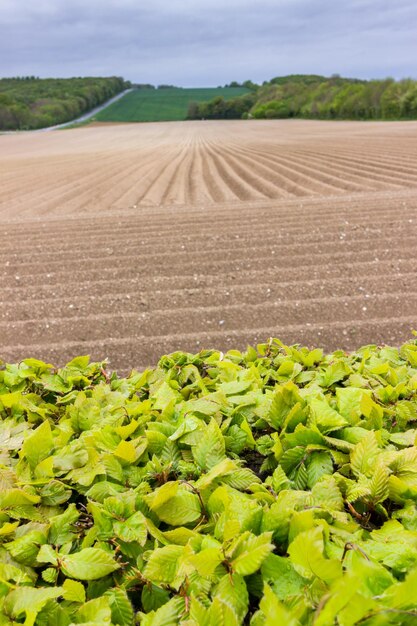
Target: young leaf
column 274, row 611
column 38, row 445
column 175, row 504
column 28, row 602
column 250, row 553
column 133, row 529
column 232, row 592
column 306, row 554
column 167, row 615
column 88, row 564
column 73, row 591
column 121, row 607
column 363, row 455
column 319, row 465
column 379, row 484
column 62, row 527
column 163, row 564
column 324, row 417
column 210, row 449
column 96, row 611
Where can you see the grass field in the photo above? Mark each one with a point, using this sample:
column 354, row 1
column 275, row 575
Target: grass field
column 157, row 105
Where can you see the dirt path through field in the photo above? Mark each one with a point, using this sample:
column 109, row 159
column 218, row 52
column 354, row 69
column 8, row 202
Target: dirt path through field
column 128, row 241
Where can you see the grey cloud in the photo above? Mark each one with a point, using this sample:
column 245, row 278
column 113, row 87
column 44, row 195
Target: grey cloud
column 207, row 42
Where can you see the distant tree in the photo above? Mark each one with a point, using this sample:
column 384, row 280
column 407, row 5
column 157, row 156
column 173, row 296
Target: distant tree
column 29, row 102
column 250, row 85
column 193, row 112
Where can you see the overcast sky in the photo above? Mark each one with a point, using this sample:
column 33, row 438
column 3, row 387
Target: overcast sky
column 208, row 42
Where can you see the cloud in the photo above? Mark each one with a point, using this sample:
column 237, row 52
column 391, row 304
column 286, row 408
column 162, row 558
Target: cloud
column 196, row 42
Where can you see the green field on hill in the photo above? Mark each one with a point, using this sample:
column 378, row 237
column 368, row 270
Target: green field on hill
column 157, row 105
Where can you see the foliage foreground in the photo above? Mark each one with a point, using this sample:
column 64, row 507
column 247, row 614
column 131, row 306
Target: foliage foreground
column 272, row 487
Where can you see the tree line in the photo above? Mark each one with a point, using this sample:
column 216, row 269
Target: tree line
column 316, row 97
column 28, row 102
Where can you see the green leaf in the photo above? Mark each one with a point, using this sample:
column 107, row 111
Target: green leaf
column 319, row 465
column 306, row 554
column 324, row 417
column 28, row 602
column 38, row 445
column 207, row 561
column 334, row 373
column 73, row 591
column 344, row 604
column 47, row 555
column 249, row 552
column 153, row 597
column 274, row 611
column 175, row 504
column 210, row 449
column 164, row 396
column 402, row 595
column 281, row 575
column 279, row 480
column 363, row 456
column 285, row 398
column 223, row 468
column 292, row 458
column 88, row 564
column 327, row 494
column 25, row 548
column 232, row 593
column 379, row 484
column 349, row 400
column 121, row 607
column 234, row 387
column 50, row 575
column 96, row 611
column 126, row 451
column 62, row 528
column 166, row 615
column 163, row 564
column 132, row 529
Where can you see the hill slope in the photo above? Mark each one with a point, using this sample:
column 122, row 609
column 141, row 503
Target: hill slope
column 155, row 105
column 318, row 97
column 29, row 102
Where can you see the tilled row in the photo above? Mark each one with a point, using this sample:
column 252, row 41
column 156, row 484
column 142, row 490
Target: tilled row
column 208, row 239
column 198, row 164
column 139, row 351
column 102, row 245
column 150, row 220
column 75, row 300
column 183, row 264
column 160, row 283
column 92, row 326
column 121, row 258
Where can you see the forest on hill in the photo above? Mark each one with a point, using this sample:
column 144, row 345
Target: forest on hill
column 28, row 102
column 316, row 97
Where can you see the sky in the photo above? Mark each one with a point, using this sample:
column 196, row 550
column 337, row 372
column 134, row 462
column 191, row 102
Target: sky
column 195, row 43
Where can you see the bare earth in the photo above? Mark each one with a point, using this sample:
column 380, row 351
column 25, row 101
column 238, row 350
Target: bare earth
column 131, row 241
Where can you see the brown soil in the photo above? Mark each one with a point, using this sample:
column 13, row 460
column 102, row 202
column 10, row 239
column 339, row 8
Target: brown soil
column 130, row 241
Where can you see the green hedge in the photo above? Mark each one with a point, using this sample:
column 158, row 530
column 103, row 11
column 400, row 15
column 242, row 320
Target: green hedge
column 318, row 97
column 30, row 103
column 274, row 486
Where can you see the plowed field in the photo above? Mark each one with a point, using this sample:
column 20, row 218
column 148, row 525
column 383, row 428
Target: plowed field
column 130, row 241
